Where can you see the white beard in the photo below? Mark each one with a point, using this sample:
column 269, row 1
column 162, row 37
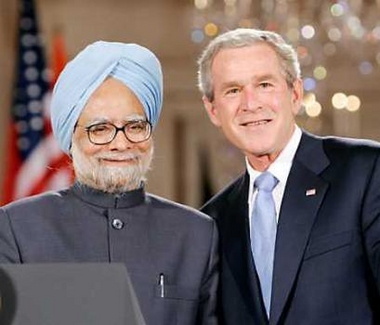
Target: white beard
column 111, row 179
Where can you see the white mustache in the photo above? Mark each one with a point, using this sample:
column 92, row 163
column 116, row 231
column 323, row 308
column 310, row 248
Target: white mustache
column 121, row 157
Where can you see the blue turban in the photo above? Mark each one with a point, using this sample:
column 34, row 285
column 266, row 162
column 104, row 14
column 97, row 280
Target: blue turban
column 136, row 66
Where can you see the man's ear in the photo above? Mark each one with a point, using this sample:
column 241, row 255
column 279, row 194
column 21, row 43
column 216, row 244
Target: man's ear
column 211, row 110
column 297, row 95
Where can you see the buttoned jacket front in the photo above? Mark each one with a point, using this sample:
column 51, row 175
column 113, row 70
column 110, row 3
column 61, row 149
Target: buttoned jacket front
column 151, row 235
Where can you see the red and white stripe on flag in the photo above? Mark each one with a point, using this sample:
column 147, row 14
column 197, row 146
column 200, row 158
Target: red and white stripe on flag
column 34, row 162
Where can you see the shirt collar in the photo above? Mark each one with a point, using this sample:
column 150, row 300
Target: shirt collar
column 109, row 200
column 280, row 168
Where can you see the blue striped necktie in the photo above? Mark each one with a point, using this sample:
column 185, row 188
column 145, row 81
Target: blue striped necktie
column 263, row 233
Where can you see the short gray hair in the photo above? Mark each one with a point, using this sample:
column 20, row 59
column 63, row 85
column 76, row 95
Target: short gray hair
column 242, row 37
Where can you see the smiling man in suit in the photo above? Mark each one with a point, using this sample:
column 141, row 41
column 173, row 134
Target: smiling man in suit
column 300, row 229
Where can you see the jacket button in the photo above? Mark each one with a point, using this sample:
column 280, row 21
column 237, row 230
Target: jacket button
column 117, row 224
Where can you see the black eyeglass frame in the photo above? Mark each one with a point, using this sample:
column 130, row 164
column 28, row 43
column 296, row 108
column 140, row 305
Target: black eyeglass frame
column 116, row 131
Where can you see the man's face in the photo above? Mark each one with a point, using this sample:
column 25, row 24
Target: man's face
column 120, row 165
column 253, row 104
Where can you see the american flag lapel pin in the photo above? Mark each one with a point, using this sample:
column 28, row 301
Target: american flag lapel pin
column 311, row 192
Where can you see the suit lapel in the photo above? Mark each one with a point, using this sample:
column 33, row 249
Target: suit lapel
column 303, row 196
column 237, row 249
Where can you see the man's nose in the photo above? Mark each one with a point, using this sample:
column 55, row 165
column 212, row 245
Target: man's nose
column 120, row 142
column 249, row 98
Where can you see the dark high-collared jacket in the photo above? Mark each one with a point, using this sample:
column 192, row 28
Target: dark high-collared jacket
column 151, row 235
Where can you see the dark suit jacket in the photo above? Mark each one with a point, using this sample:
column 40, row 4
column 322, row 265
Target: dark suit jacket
column 151, row 235
column 327, row 255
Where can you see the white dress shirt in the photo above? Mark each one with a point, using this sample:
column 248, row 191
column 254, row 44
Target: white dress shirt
column 280, row 168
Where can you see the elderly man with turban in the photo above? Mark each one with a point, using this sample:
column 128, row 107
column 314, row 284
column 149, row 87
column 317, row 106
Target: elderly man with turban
column 105, row 104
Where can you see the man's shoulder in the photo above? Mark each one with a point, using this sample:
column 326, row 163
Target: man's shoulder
column 343, row 143
column 170, row 207
column 339, row 149
column 220, row 200
column 44, row 200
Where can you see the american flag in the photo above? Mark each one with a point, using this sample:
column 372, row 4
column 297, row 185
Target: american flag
column 34, row 161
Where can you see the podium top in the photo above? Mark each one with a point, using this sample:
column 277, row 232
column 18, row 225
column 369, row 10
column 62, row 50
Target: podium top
column 67, row 293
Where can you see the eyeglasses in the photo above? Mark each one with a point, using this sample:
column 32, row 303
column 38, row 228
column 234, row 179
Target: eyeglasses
column 104, row 133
